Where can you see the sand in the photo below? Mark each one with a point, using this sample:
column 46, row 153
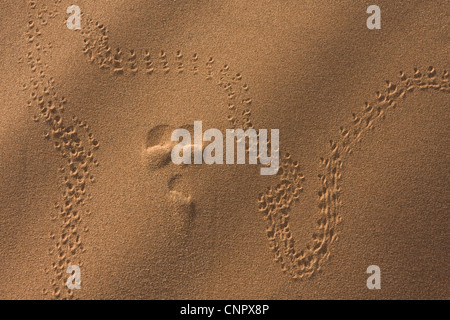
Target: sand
column 86, row 177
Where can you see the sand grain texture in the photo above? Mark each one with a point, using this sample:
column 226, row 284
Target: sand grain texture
column 86, row 176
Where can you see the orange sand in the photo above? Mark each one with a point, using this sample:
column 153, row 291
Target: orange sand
column 85, row 127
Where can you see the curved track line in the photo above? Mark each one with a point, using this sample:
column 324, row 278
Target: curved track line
column 274, row 204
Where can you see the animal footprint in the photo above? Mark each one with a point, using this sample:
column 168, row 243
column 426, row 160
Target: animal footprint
column 157, row 154
column 158, row 147
column 184, row 205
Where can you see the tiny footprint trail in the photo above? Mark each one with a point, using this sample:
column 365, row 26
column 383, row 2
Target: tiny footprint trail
column 75, row 143
column 276, row 202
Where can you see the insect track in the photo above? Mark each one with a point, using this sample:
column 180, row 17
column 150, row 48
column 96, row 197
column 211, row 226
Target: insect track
column 77, row 146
